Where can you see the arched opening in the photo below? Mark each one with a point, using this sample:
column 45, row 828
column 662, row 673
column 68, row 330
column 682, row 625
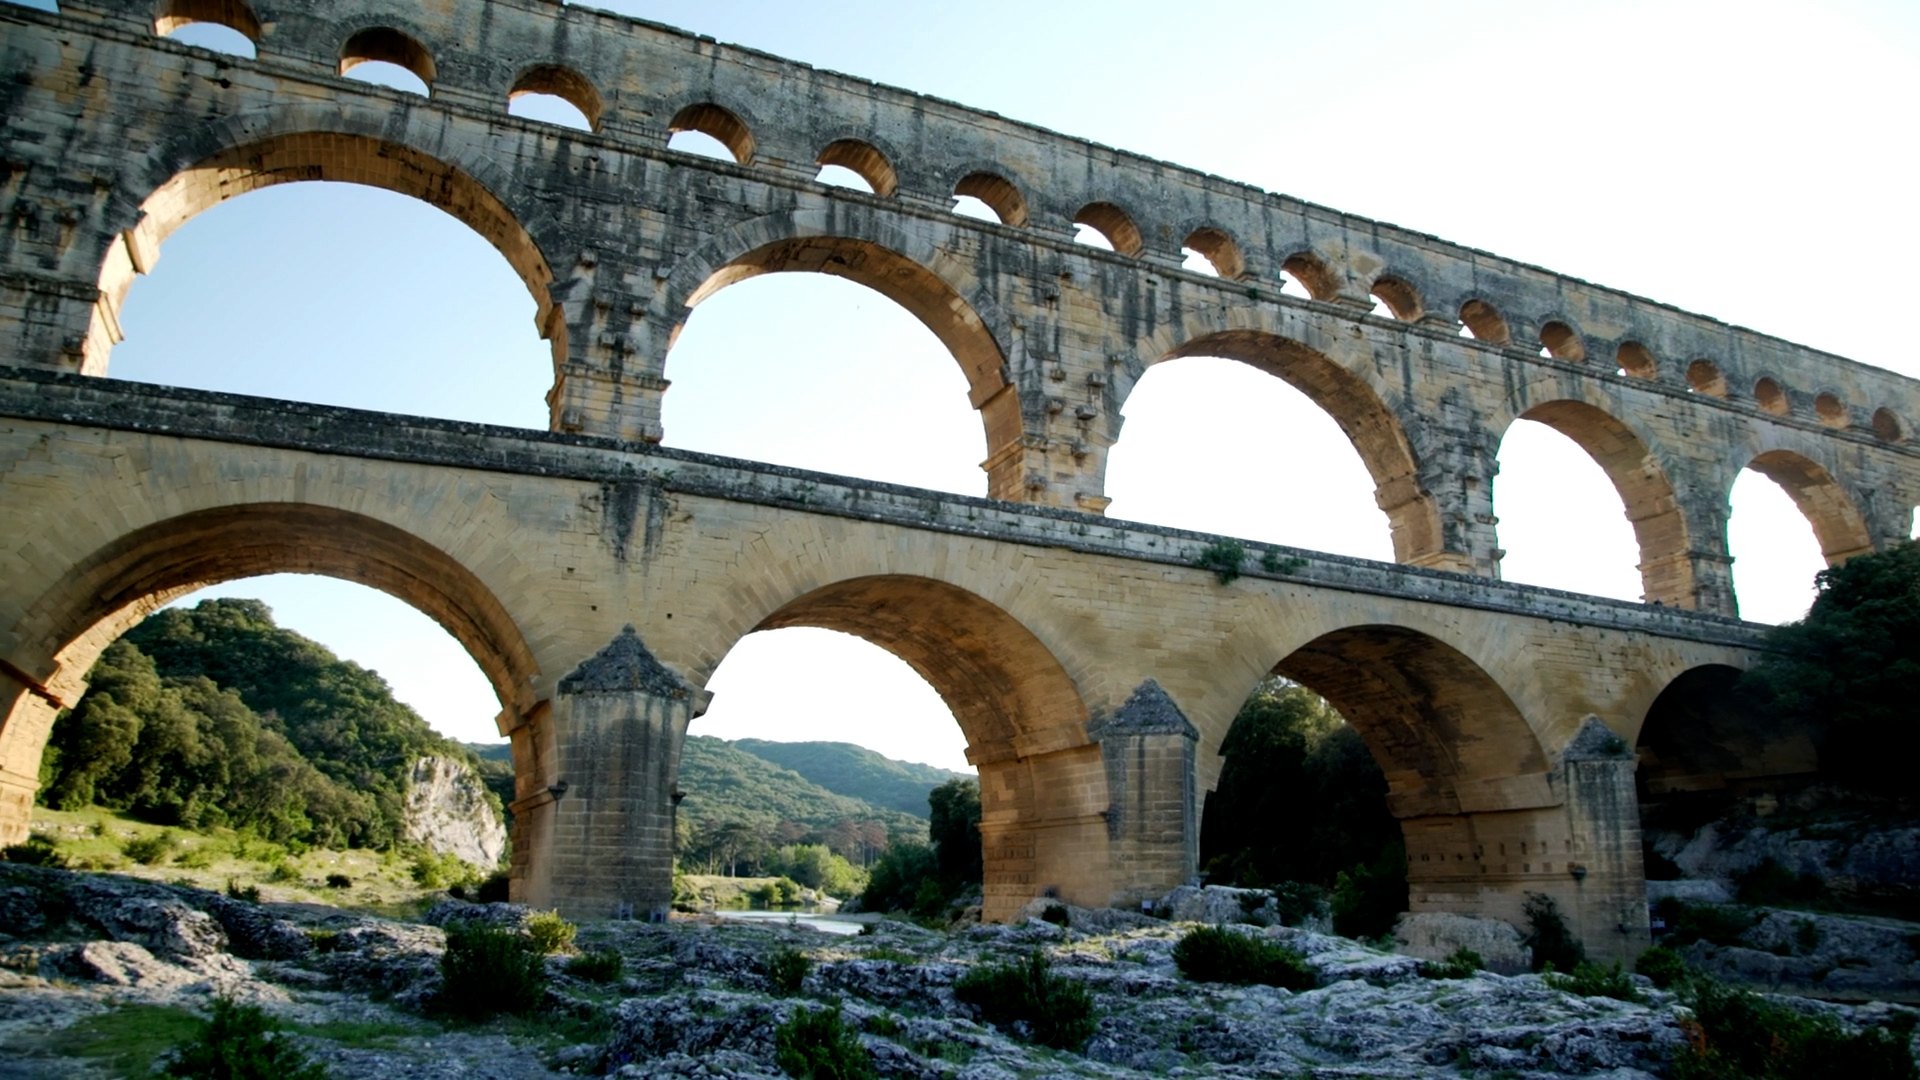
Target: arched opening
column 1703, row 377
column 1211, row 251
column 1559, row 341
column 1770, row 397
column 718, row 125
column 1635, row 361
column 1104, row 225
column 1395, row 299
column 1887, row 426
column 556, row 95
column 387, row 57
column 895, row 409
column 227, row 26
column 1556, row 510
column 989, row 197
column 66, row 630
column 1831, row 410
column 306, row 298
column 1311, row 277
column 867, row 168
column 1182, row 423
column 1479, row 320
column 1774, row 557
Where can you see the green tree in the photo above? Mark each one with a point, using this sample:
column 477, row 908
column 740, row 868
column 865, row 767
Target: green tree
column 954, row 827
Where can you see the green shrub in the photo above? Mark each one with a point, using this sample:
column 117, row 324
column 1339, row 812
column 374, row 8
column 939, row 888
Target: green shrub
column 1738, row 1035
column 1663, row 966
column 240, row 1042
column 787, row 969
column 1058, row 1011
column 251, row 893
column 1299, row 901
column 597, row 965
column 1773, row 884
column 1460, row 964
column 550, row 932
column 1549, row 937
column 814, row 1044
column 1057, row 914
column 1589, row 979
column 1224, row 559
column 1720, row 924
column 894, row 880
column 38, row 850
column 780, row 892
column 494, row 889
column 1368, row 898
column 488, row 970
column 152, row 849
column 339, row 881
column 1218, row 955
column 283, row 872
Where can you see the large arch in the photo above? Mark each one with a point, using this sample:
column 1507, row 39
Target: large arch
column 901, row 268
column 1829, row 509
column 1646, row 494
column 245, row 154
column 60, row 634
column 1373, row 429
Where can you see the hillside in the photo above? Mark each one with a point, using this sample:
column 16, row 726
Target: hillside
column 857, row 772
column 723, row 781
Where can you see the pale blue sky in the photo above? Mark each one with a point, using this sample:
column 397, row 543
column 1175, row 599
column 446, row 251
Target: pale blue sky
column 1751, row 161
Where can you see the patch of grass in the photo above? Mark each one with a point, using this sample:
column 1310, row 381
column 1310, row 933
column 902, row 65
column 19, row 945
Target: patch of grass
column 361, row 1034
column 152, row 849
column 1738, row 1035
column 1589, row 979
column 815, row 1044
column 597, row 965
column 889, row 953
column 550, row 932
column 488, row 970
column 241, row 1042
column 1058, row 1012
column 1216, row 954
column 1460, row 964
column 125, row 1040
column 786, row 970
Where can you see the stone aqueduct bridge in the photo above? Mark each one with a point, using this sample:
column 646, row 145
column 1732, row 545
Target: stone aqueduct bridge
column 1038, row 622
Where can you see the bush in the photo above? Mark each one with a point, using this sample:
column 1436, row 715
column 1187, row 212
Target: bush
column 240, row 1042
column 597, row 965
column 550, row 933
column 494, row 889
column 787, row 969
column 1737, row 1035
column 1057, row 1012
column 1771, row 884
column 1057, row 914
column 251, row 893
column 1663, row 966
column 1224, row 559
column 1589, row 979
column 38, row 850
column 1720, row 924
column 1299, row 901
column 339, row 881
column 1460, row 964
column 780, row 892
column 488, row 970
column 152, row 849
column 1218, row 955
column 1549, row 937
column 1369, row 898
column 283, row 872
column 893, row 882
column 815, row 1045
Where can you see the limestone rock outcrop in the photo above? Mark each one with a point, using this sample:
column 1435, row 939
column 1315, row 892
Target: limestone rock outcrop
column 1435, row 935
column 448, row 812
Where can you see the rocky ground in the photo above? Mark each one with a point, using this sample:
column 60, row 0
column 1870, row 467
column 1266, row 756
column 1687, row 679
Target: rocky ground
column 96, row 958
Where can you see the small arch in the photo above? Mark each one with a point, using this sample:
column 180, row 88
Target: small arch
column 1113, row 225
column 1703, row 377
column 213, row 21
column 1484, row 323
column 1635, row 361
column 718, row 123
column 1887, row 426
column 385, row 45
column 1699, row 746
column 1313, row 274
column 1821, row 499
column 1219, row 250
column 1559, row 341
column 1831, row 410
column 1399, row 298
column 1771, row 397
column 994, row 192
column 863, row 160
column 562, row 83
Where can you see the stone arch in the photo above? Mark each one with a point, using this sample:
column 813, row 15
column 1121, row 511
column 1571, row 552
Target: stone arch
column 1219, row 249
column 1704, row 377
column 1826, row 504
column 864, row 159
column 61, row 633
column 386, row 44
column 1399, row 296
column 1485, row 323
column 1562, row 341
column 1646, row 493
column 564, row 83
column 721, row 123
column 237, row 15
column 1313, row 274
column 1115, row 224
column 1698, row 745
column 910, row 271
column 244, row 153
column 1001, row 195
column 1373, row 428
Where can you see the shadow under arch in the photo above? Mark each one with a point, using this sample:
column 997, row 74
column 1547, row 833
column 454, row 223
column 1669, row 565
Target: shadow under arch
column 897, row 267
column 1837, row 523
column 1375, row 432
column 60, row 634
column 1646, row 494
column 243, row 154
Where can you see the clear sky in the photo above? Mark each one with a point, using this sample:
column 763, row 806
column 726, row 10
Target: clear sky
column 1751, row 161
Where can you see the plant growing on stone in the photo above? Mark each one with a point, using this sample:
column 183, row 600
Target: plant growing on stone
column 1738, row 1035
column 251, row 893
column 488, row 970
column 1219, row 955
column 240, row 1042
column 1224, row 559
column 1589, row 979
column 1055, row 1011
column 597, row 965
column 787, row 969
column 815, row 1044
column 1459, row 964
column 1553, row 944
column 1057, row 914
column 549, row 932
column 1663, row 966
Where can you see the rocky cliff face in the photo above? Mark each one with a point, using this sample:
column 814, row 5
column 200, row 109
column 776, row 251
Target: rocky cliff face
column 448, row 812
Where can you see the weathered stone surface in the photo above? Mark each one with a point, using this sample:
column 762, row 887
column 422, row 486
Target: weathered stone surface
column 1435, row 935
column 1847, row 959
column 161, row 923
column 447, row 811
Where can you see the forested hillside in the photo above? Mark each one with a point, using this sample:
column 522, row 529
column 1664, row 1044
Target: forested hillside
column 856, row 772
column 215, row 716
